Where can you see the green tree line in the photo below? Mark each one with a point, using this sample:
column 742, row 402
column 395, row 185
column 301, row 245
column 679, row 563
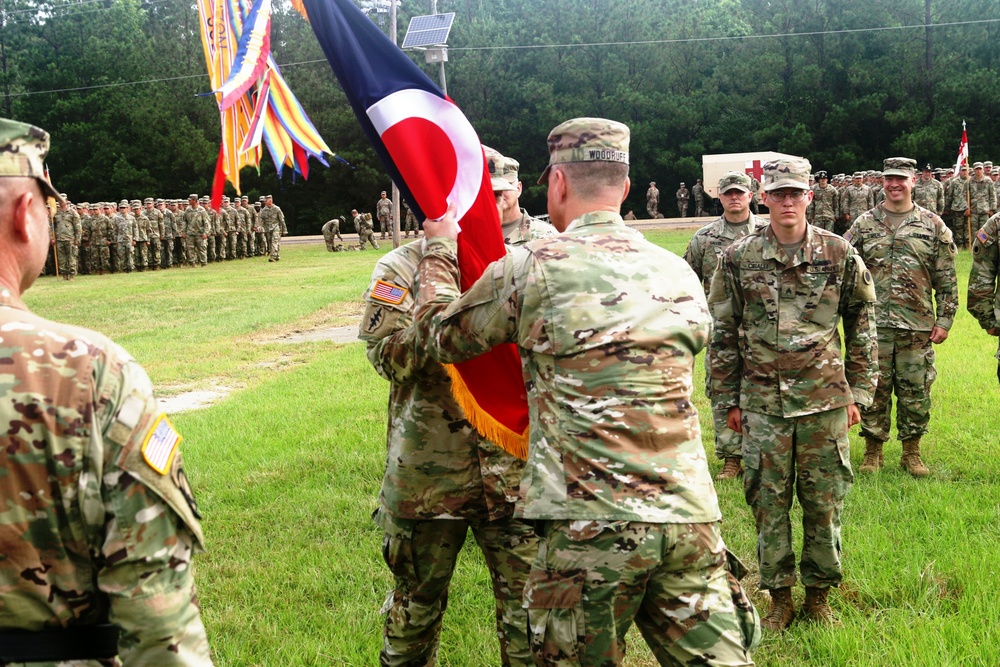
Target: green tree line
column 842, row 82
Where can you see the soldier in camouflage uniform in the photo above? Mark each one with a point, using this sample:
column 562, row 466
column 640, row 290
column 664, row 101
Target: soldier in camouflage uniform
column 854, row 200
column 441, row 480
column 383, row 211
column 155, row 218
column 142, row 236
column 777, row 367
column 928, row 192
column 331, row 232
column 410, row 222
column 109, row 233
column 83, row 265
column 167, row 251
column 516, row 226
column 910, row 252
column 683, row 195
column 363, row 226
column 698, row 194
column 91, row 244
column 197, row 227
column 984, row 295
column 98, row 520
column 68, row 233
column 653, row 200
column 824, row 209
column 957, row 211
column 703, row 252
column 983, row 201
column 124, row 239
column 616, row 476
column 273, row 221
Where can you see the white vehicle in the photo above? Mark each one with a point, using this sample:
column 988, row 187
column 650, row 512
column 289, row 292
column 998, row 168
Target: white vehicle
column 714, row 166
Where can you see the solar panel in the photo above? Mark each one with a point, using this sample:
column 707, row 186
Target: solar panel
column 430, row 30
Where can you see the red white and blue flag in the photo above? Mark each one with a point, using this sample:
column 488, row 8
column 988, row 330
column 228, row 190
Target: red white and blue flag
column 963, row 151
column 434, row 155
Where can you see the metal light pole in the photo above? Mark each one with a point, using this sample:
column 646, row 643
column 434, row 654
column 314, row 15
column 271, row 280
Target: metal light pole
column 395, row 188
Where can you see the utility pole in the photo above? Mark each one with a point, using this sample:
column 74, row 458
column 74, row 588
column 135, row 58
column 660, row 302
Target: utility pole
column 444, row 83
column 395, row 188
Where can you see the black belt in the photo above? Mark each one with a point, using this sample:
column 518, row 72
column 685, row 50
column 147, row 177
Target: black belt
column 89, row 642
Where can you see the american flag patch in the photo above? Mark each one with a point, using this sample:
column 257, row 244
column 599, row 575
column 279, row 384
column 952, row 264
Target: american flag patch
column 388, row 293
column 981, row 235
column 161, row 445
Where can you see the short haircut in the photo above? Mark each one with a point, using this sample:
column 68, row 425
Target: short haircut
column 591, row 176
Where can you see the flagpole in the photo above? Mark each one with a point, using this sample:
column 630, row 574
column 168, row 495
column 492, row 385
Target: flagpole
column 393, row 17
column 968, row 196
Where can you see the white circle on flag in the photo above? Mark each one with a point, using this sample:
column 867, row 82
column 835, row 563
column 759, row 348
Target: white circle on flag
column 415, row 103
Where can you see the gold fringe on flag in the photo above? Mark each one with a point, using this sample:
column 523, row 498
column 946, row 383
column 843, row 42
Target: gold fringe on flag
column 515, row 444
column 300, row 8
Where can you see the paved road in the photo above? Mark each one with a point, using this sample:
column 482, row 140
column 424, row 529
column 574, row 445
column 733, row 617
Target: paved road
column 660, row 223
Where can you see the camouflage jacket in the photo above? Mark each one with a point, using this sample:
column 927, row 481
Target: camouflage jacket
column 98, row 522
column 101, row 233
column 652, row 196
column 855, row 200
column 825, row 205
column 929, row 195
column 437, row 466
column 788, row 362
column 155, row 218
column 361, row 223
column 168, row 224
column 957, row 194
column 983, row 195
column 529, row 229
column 984, row 297
column 123, row 228
column 878, row 194
column 142, row 225
column 196, row 221
column 910, row 265
column 270, row 217
column 331, row 228
column 683, row 195
column 383, row 207
column 607, row 349
column 710, row 242
column 68, row 226
column 86, row 228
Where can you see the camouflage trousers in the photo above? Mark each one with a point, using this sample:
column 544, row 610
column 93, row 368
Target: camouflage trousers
column 593, row 579
column 167, row 254
column 651, row 208
column 411, row 224
column 367, row 236
column 385, row 224
column 421, row 556
column 141, row 255
column 811, row 457
column 125, row 256
column 274, row 243
column 197, row 250
column 906, row 369
column 825, row 223
column 959, row 226
column 682, row 208
column 728, row 443
column 67, row 258
column 154, row 253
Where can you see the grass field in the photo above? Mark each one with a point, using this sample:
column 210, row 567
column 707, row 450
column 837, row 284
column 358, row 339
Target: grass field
column 287, row 471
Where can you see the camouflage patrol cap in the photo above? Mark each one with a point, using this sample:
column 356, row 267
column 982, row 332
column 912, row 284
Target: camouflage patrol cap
column 23, row 148
column 977, row 165
column 123, row 203
column 94, row 207
column 245, row 198
column 878, row 174
column 899, row 166
column 159, row 201
column 987, row 164
column 786, row 173
column 495, row 164
column 192, row 196
column 136, row 203
column 858, row 174
column 735, row 180
column 148, row 200
column 587, row 140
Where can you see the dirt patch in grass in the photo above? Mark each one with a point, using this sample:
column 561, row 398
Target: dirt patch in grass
column 193, row 400
column 343, row 334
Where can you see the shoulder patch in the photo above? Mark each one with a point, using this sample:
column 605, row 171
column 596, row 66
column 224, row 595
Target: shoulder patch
column 848, row 236
column 388, row 292
column 981, row 235
column 161, row 445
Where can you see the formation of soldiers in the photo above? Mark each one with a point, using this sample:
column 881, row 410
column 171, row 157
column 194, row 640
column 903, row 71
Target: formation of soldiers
column 964, row 202
column 156, row 234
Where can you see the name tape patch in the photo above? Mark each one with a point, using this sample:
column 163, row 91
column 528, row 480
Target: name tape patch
column 161, row 445
column 388, row 293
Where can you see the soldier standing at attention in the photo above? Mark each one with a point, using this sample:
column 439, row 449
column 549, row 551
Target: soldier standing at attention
column 616, row 476
column 653, row 200
column 68, row 233
column 142, row 236
column 854, row 200
column 703, row 252
column 777, row 367
column 683, row 195
column 984, row 295
column 698, row 193
column 824, row 209
column 155, row 218
column 98, row 525
column 167, row 240
column 983, row 198
column 124, row 239
column 197, row 228
column 911, row 255
column 383, row 210
column 957, row 199
column 273, row 221
column 928, row 192
column 442, row 478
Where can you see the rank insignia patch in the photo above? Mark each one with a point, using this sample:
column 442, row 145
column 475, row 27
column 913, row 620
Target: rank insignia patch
column 388, row 293
column 161, row 445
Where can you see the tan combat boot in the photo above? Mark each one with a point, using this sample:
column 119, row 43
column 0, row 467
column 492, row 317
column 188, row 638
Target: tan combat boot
column 873, row 456
column 782, row 610
column 731, row 468
column 911, row 458
column 816, row 608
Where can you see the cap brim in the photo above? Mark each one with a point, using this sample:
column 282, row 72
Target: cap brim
column 48, row 190
column 898, row 172
column 786, row 183
column 734, row 186
column 544, row 178
column 501, row 185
